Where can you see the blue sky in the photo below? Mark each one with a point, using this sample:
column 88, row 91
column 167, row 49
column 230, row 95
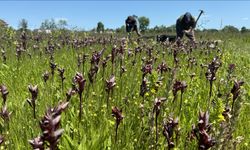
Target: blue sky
column 86, row 14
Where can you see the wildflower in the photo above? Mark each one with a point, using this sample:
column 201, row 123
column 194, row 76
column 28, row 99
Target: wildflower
column 80, row 81
column 37, row 143
column 117, row 113
column 163, row 68
column 110, row 83
column 5, row 114
column 4, row 91
column 143, row 88
column 147, row 69
column 53, row 67
column 179, row 86
column 168, row 130
column 46, row 76
column 34, row 92
column 201, row 133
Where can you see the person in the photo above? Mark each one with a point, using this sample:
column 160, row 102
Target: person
column 185, row 24
column 132, row 24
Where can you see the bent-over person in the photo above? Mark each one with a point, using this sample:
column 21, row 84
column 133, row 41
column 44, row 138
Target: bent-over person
column 132, row 24
column 185, row 25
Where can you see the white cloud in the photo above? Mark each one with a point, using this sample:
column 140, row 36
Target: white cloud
column 245, row 18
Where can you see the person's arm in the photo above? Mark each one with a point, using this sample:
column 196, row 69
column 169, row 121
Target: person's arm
column 126, row 22
column 192, row 26
column 193, row 23
column 190, row 33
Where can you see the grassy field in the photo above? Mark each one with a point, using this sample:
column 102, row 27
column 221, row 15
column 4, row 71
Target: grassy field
column 147, row 113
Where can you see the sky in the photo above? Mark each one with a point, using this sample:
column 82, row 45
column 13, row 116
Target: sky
column 86, row 14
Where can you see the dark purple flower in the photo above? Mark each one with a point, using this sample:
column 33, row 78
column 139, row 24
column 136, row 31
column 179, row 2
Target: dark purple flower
column 236, row 89
column 147, row 69
column 34, row 91
column 37, row 143
column 231, row 68
column 201, row 133
column 117, row 113
column 5, row 114
column 53, row 67
column 61, row 73
column 80, row 81
column 157, row 105
column 4, row 91
column 163, row 68
column 110, row 83
column 143, row 87
column 179, row 86
column 46, row 76
column 168, row 131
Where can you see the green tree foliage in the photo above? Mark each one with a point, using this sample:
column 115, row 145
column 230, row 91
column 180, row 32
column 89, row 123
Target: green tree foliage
column 230, row 29
column 23, row 24
column 244, row 30
column 3, row 24
column 122, row 29
column 62, row 24
column 210, row 30
column 3, row 28
column 171, row 28
column 100, row 27
column 48, row 24
column 164, row 29
column 144, row 23
column 160, row 29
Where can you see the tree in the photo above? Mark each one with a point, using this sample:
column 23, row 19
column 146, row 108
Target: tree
column 144, row 23
column 23, row 24
column 230, row 29
column 109, row 30
column 100, row 27
column 210, row 30
column 171, row 28
column 93, row 30
column 62, row 24
column 122, row 29
column 159, row 29
column 3, row 29
column 244, row 30
column 3, row 24
column 48, row 25
column 156, row 28
column 164, row 29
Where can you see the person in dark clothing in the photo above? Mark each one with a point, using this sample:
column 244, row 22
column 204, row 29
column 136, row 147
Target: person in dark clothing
column 185, row 24
column 132, row 24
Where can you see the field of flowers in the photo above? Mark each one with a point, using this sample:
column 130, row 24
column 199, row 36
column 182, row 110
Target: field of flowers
column 80, row 91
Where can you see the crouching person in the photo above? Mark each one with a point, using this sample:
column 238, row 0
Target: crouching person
column 132, row 24
column 185, row 25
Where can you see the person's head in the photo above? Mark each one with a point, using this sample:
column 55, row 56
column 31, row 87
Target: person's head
column 187, row 17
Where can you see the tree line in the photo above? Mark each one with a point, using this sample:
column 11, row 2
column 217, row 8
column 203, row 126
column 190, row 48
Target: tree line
column 62, row 24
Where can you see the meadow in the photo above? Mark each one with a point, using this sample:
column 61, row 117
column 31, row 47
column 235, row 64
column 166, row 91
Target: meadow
column 111, row 92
